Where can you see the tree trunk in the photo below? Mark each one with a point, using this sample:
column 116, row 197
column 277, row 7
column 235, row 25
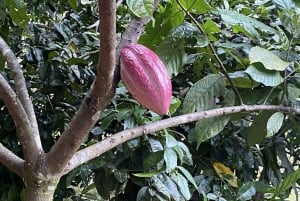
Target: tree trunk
column 41, row 189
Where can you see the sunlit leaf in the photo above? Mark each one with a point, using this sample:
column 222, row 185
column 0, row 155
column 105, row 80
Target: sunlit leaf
column 267, row 58
column 223, row 173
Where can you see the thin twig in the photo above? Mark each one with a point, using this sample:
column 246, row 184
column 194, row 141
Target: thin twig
column 222, row 67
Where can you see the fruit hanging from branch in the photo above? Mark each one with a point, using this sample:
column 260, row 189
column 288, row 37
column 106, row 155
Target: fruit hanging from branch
column 146, row 77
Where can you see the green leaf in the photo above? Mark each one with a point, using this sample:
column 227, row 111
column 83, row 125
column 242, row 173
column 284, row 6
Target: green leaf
column 246, row 192
column 274, row 123
column 196, row 6
column 188, row 156
column 170, row 17
column 144, row 194
column 152, row 160
column 173, row 55
column 18, row 12
column 161, row 186
column 249, row 24
column 241, row 79
column 73, row 4
column 147, row 174
column 210, row 27
column 170, row 158
column 203, row 93
column 183, row 186
column 175, row 104
column 287, row 182
column 188, row 175
column 208, row 128
column 190, row 33
column 267, row 77
column 170, row 141
column 258, row 129
column 141, row 8
column 267, row 58
column 155, row 145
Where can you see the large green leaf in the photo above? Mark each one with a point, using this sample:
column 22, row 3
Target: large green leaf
column 141, row 8
column 248, row 23
column 267, row 58
column 267, row 77
column 203, row 93
column 208, row 128
column 172, row 54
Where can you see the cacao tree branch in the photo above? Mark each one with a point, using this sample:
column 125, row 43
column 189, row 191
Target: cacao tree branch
column 25, row 131
column 212, row 48
column 11, row 161
column 21, row 90
column 100, row 93
column 97, row 98
column 108, row 143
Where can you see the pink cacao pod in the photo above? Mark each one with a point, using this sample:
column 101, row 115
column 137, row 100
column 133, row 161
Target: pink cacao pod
column 145, row 76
